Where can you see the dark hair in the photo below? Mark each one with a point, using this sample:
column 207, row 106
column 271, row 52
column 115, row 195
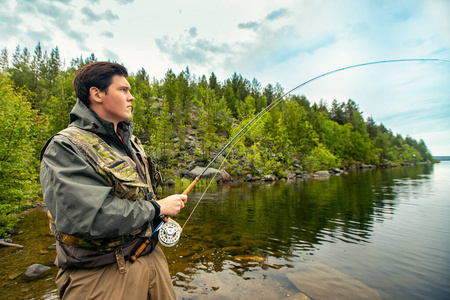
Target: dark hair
column 97, row 74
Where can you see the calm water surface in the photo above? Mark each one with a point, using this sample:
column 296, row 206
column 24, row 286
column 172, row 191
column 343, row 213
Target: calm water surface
column 369, row 234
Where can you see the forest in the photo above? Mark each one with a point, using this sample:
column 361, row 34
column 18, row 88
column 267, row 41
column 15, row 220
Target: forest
column 184, row 120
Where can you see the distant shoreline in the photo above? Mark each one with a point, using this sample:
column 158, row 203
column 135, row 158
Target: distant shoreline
column 441, row 158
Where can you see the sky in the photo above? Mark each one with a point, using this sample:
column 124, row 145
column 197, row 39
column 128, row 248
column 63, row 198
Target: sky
column 284, row 42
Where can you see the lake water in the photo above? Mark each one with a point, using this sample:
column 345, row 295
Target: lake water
column 376, row 234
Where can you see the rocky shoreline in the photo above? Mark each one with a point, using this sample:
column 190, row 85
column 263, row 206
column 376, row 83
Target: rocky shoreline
column 222, row 176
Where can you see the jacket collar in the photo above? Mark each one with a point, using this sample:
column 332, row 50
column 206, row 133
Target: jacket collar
column 85, row 118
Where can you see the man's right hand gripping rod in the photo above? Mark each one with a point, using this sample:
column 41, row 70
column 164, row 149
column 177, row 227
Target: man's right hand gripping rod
column 141, row 248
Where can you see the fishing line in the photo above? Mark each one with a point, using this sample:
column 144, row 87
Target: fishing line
column 278, row 100
column 264, row 111
column 220, row 167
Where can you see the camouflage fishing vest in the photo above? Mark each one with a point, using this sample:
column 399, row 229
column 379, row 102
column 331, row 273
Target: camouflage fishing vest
column 119, row 174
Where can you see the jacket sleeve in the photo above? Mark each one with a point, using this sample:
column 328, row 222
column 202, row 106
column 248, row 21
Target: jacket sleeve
column 81, row 202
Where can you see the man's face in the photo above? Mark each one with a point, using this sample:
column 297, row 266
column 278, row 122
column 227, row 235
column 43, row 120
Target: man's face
column 117, row 101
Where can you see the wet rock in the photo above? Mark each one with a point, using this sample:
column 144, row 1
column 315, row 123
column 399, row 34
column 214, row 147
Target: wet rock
column 289, row 175
column 270, row 177
column 219, row 175
column 320, row 281
column 323, row 173
column 254, row 258
column 36, row 270
column 14, row 275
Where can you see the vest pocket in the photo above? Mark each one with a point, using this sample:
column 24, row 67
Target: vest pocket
column 125, row 179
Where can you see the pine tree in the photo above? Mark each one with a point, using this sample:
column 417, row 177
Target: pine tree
column 4, row 62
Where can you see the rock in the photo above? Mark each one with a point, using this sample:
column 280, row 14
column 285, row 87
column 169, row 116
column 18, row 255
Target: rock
column 289, row 175
column 36, row 270
column 320, row 281
column 248, row 177
column 210, row 173
column 253, row 258
column 14, row 275
column 270, row 177
column 169, row 182
column 323, row 173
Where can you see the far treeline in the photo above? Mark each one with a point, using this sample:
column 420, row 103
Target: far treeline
column 183, row 119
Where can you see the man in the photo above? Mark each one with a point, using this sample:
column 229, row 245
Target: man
column 99, row 187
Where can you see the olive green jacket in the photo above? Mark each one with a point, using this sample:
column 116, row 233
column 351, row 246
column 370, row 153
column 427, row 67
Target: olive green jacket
column 80, row 200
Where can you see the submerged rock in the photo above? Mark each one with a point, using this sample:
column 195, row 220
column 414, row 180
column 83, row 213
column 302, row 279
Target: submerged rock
column 254, row 258
column 320, row 281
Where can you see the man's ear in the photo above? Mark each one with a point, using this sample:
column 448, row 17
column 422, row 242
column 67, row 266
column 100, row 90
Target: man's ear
column 95, row 95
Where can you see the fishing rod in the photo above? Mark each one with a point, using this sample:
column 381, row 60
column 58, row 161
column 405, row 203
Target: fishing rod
column 169, row 232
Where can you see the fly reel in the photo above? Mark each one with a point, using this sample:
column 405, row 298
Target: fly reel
column 169, row 234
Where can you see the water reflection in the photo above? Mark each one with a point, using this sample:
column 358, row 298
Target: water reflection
column 275, row 225
column 256, row 240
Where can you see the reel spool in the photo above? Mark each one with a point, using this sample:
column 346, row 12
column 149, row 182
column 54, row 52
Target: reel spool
column 169, row 234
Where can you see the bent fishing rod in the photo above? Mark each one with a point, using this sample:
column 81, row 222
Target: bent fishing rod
column 169, row 232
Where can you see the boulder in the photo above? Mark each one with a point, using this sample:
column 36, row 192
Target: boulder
column 270, row 177
column 289, row 175
column 323, row 173
column 36, row 270
column 219, row 175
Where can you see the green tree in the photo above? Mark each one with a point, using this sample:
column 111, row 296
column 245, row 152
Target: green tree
column 18, row 139
column 4, row 61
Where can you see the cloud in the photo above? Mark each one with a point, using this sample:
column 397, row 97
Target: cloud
column 193, row 32
column 22, row 21
column 277, row 14
column 125, row 2
column 270, row 44
column 40, row 36
column 8, row 26
column 188, row 49
column 107, row 34
column 91, row 16
column 110, row 55
column 64, row 1
column 249, row 25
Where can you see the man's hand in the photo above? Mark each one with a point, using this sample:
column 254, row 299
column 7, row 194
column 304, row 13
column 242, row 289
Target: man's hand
column 175, row 222
column 171, row 205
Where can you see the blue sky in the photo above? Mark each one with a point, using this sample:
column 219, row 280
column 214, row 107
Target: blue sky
column 285, row 42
